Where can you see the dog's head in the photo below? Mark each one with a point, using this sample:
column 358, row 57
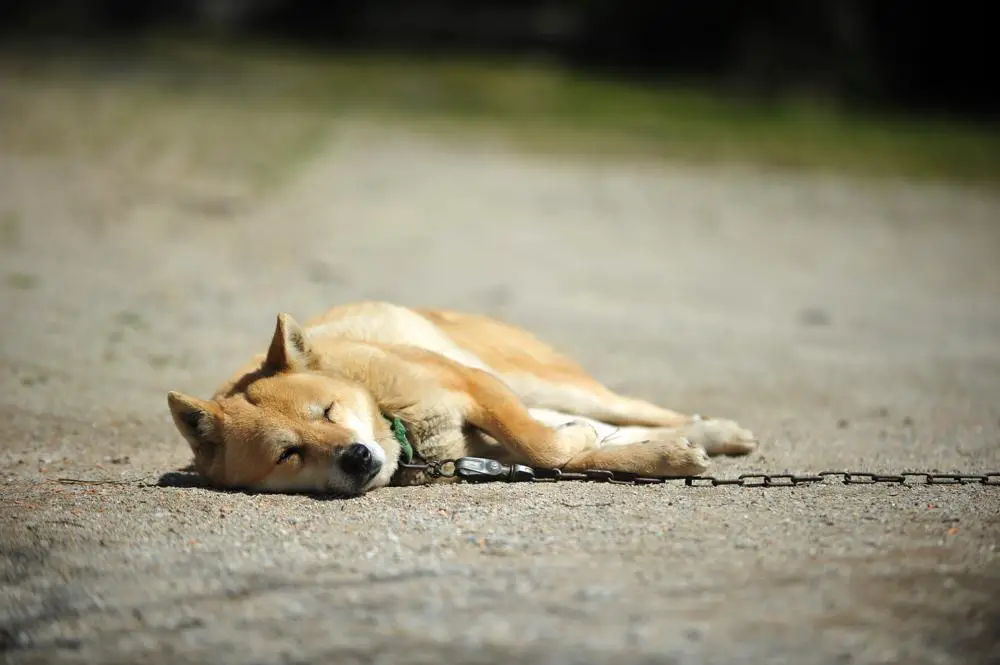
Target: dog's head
column 286, row 426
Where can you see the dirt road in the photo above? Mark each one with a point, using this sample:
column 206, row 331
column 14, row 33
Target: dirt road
column 852, row 326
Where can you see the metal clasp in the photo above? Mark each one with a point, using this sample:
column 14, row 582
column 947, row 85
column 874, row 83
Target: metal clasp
column 482, row 470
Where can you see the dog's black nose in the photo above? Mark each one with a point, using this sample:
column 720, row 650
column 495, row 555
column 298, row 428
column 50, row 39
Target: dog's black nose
column 358, row 460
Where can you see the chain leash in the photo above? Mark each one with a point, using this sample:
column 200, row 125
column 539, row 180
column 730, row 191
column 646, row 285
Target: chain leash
column 481, row 470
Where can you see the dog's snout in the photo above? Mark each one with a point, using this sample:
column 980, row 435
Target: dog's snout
column 358, row 460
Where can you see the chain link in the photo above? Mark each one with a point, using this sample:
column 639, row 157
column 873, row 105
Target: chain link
column 476, row 469
column 437, row 469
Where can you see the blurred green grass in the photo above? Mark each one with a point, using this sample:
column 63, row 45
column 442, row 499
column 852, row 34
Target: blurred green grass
column 257, row 111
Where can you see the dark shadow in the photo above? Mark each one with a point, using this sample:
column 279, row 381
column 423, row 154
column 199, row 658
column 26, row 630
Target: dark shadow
column 182, row 478
column 187, row 478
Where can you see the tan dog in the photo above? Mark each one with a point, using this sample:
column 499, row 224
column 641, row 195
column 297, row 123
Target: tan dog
column 315, row 412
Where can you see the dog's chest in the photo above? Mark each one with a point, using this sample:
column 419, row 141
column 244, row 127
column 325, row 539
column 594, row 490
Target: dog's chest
column 436, row 438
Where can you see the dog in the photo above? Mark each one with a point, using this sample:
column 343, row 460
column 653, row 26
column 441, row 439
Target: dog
column 321, row 409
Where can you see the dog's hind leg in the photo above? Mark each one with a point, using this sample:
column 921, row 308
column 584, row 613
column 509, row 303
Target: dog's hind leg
column 548, row 440
column 590, row 399
column 543, row 378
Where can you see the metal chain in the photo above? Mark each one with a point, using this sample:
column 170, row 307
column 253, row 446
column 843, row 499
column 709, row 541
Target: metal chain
column 477, row 469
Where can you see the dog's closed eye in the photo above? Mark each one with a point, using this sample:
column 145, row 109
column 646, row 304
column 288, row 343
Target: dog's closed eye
column 289, row 453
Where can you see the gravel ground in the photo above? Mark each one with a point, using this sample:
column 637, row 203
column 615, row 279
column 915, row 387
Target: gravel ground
column 851, row 325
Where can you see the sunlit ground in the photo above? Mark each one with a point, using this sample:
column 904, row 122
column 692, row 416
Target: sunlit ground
column 251, row 113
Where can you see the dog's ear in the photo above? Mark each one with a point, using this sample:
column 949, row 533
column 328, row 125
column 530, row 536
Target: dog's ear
column 199, row 422
column 290, row 349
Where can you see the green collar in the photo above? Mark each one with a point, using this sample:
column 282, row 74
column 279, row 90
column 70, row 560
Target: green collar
column 399, row 432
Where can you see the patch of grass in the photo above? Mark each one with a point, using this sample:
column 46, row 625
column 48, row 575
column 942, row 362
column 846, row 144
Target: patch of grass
column 159, row 361
column 22, row 281
column 256, row 112
column 144, row 125
column 10, row 229
column 40, row 379
column 541, row 107
column 129, row 319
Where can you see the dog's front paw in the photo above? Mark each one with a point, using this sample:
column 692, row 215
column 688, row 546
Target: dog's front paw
column 679, row 457
column 720, row 437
